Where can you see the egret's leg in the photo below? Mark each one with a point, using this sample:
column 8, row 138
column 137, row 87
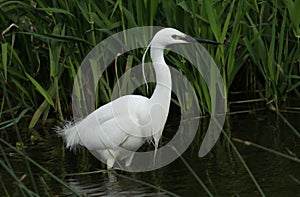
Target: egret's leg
column 111, row 158
column 155, row 151
column 111, row 176
column 129, row 160
column 110, row 162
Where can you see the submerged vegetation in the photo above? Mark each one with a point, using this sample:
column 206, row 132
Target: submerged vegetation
column 44, row 42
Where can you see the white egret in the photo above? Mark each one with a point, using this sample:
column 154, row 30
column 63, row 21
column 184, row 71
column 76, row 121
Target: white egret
column 113, row 132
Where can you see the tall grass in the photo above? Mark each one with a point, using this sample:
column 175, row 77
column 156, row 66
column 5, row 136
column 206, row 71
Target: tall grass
column 43, row 44
column 276, row 57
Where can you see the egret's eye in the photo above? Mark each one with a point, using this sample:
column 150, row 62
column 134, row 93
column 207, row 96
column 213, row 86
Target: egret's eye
column 176, row 37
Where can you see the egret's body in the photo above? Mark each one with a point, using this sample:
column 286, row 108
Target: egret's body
column 116, row 130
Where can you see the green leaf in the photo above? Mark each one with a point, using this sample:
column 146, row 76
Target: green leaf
column 41, row 109
column 4, row 59
column 55, row 10
column 212, row 18
column 41, row 90
column 56, row 37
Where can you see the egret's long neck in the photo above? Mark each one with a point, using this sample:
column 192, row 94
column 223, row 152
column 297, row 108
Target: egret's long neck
column 162, row 91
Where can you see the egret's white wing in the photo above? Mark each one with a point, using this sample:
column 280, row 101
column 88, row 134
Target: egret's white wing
column 112, row 124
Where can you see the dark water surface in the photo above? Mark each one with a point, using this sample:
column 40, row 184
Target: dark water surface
column 221, row 170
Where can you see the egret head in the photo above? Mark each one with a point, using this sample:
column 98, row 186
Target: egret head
column 169, row 36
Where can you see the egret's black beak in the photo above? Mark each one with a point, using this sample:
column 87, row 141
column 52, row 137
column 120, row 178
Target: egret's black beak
column 200, row 40
column 205, row 41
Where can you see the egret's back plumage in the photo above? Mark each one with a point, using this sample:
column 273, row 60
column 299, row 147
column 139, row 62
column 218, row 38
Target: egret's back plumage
column 69, row 134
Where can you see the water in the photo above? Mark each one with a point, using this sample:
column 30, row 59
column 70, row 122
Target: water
column 221, row 171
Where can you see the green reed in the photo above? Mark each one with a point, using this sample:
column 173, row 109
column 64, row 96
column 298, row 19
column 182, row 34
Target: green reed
column 44, row 43
column 274, row 51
